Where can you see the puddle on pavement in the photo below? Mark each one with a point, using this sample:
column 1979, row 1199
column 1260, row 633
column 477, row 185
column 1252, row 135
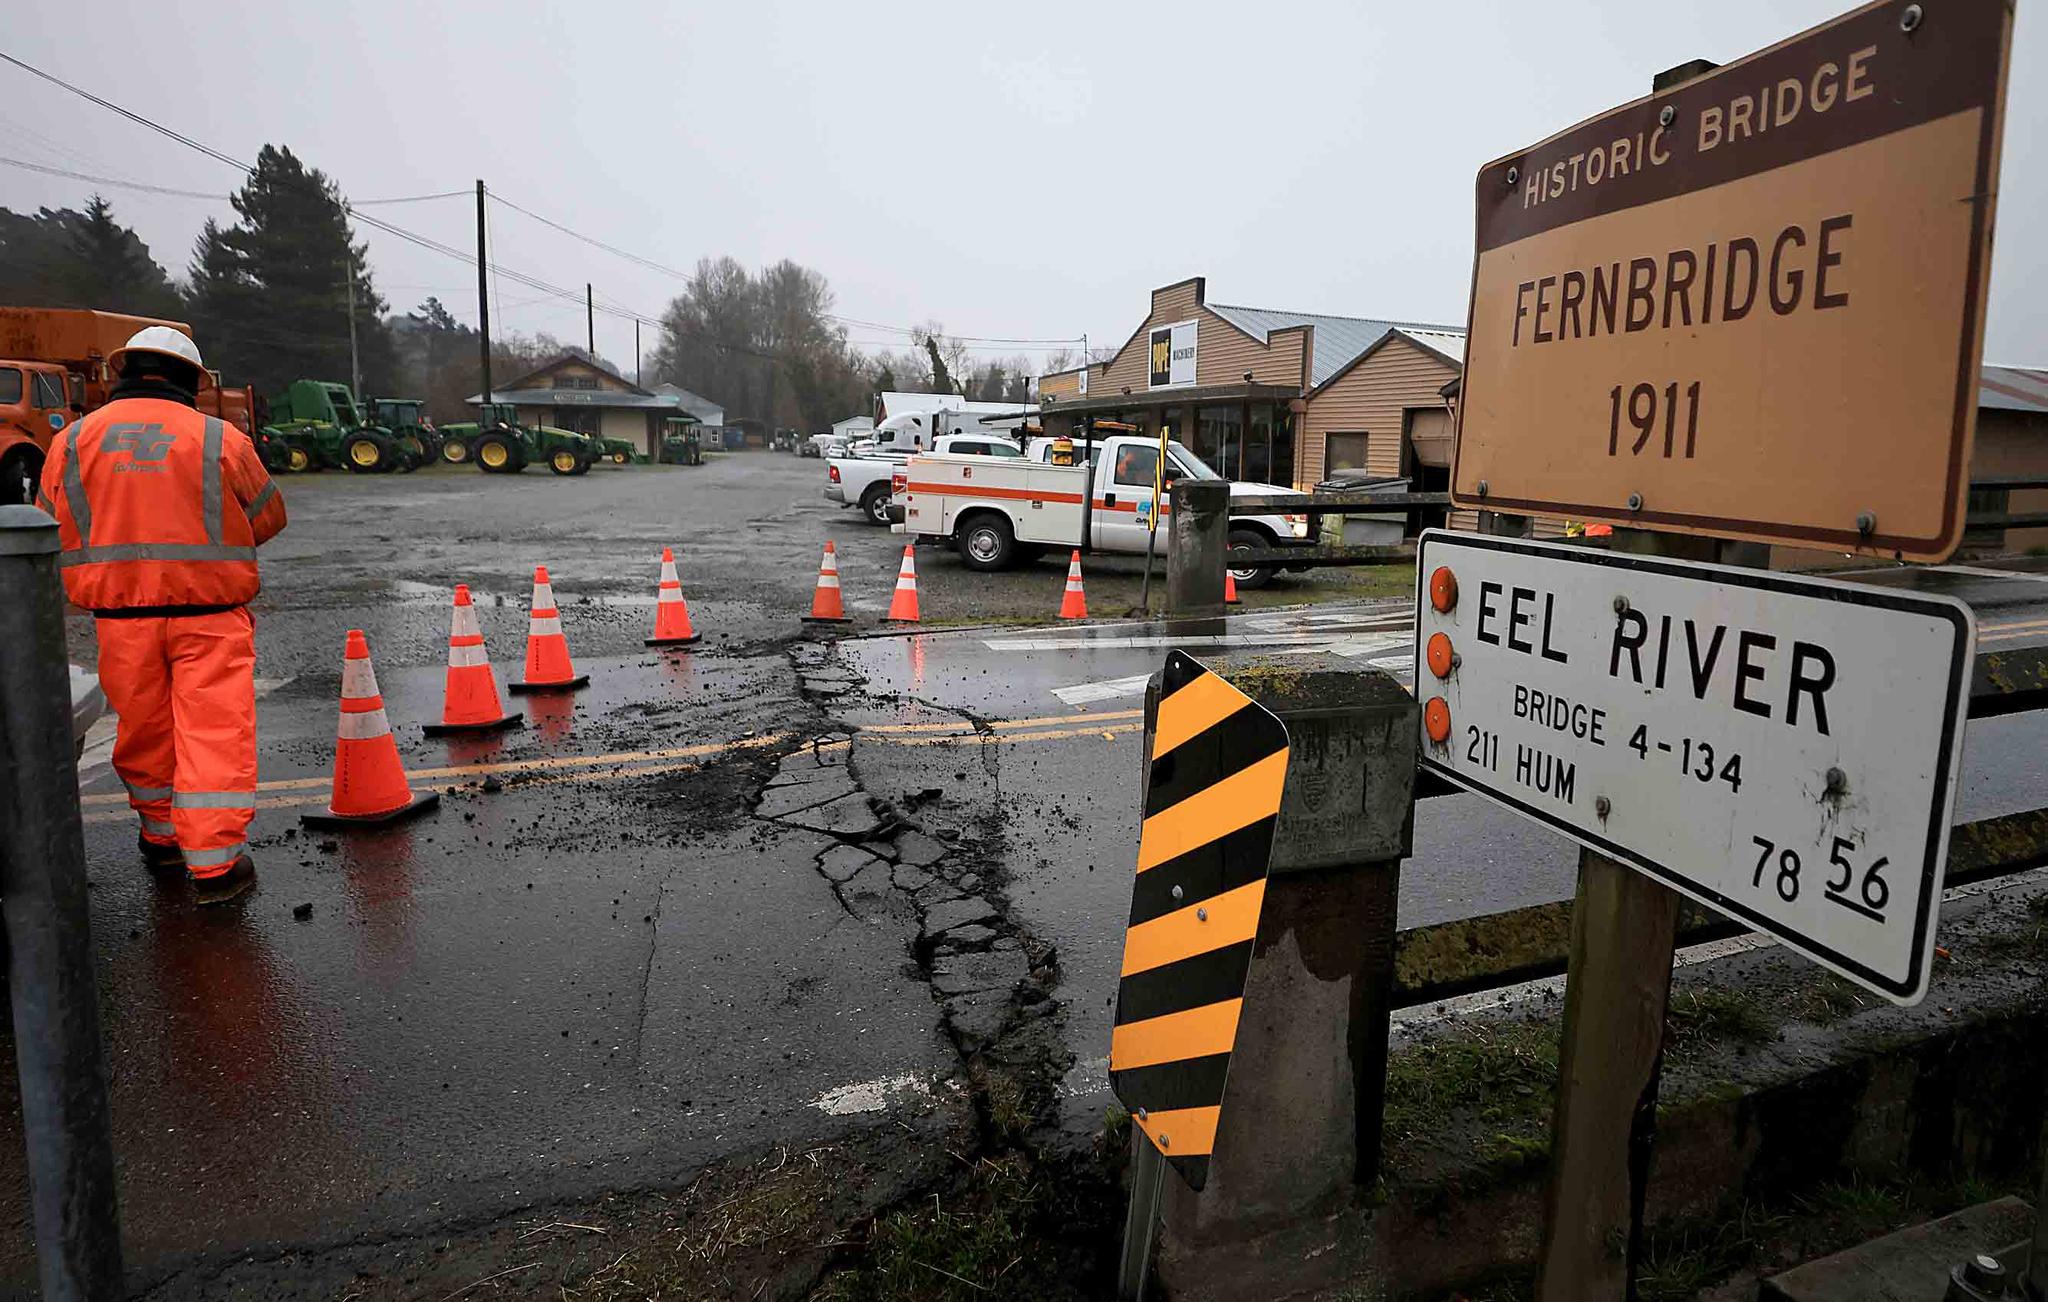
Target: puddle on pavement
column 413, row 593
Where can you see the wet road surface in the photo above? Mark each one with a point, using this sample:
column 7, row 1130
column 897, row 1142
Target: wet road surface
column 743, row 895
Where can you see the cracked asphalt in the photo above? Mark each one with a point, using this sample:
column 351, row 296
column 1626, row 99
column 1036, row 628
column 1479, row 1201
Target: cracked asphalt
column 681, row 917
column 764, row 893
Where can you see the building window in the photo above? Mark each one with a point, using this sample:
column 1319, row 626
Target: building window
column 1283, row 448
column 1343, row 452
column 576, row 382
column 577, row 420
column 1219, row 439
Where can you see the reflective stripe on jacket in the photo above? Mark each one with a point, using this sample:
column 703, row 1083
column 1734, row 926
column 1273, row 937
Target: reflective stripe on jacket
column 159, row 506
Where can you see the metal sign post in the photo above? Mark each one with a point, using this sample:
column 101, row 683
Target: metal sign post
column 63, row 1070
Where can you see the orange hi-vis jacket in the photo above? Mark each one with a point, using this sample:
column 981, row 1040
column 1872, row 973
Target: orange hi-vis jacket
column 160, row 508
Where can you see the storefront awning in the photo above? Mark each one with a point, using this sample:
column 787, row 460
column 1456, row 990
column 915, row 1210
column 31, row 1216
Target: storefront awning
column 1102, row 404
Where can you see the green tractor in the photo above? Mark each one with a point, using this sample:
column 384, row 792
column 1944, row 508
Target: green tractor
column 412, row 433
column 620, row 452
column 682, row 442
column 500, row 445
column 316, row 425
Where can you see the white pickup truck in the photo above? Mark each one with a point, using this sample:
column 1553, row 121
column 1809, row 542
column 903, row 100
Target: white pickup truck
column 1000, row 512
column 864, row 481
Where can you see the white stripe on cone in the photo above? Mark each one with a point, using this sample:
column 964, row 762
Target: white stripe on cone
column 364, row 726
column 467, row 657
column 358, row 680
column 544, row 626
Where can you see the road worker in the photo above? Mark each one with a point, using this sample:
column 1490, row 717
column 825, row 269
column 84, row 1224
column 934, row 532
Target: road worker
column 161, row 510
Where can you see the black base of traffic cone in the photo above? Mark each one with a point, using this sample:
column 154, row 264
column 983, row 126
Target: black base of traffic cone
column 456, row 729
column 826, row 619
column 691, row 640
column 327, row 822
column 570, row 685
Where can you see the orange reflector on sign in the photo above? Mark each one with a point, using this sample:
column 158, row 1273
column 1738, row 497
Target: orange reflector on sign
column 1443, row 589
column 1436, row 719
column 1439, row 653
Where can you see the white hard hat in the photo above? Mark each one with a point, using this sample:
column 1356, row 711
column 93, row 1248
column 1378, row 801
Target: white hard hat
column 160, row 339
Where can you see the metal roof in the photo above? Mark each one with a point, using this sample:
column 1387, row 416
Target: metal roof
column 2013, row 388
column 578, row 398
column 1339, row 339
column 1450, row 344
column 696, row 404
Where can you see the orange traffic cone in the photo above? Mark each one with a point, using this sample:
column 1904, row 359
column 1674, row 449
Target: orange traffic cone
column 671, row 612
column 1075, row 604
column 903, row 605
column 548, row 667
column 369, row 782
column 1229, row 589
column 470, row 702
column 826, row 607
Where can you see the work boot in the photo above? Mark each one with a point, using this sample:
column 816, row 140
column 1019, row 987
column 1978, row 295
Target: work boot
column 158, row 857
column 230, row 885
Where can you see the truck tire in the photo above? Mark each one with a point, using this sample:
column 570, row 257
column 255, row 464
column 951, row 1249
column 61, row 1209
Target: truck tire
column 495, row 455
column 564, row 461
column 455, row 451
column 21, row 470
column 987, row 542
column 1243, row 540
column 367, row 454
column 874, row 504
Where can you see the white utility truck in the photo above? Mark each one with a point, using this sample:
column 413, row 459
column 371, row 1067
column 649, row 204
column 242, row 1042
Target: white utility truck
column 864, row 481
column 1000, row 512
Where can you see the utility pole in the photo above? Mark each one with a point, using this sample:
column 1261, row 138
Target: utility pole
column 636, row 351
column 355, row 360
column 590, row 321
column 483, row 298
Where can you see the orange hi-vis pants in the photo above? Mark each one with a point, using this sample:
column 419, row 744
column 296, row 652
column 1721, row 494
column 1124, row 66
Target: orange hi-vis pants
column 185, row 689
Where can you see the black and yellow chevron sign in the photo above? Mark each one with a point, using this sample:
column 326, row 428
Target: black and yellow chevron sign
column 1212, row 795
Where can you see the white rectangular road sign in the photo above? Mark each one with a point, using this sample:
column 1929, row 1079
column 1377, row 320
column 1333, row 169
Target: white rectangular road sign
column 1782, row 749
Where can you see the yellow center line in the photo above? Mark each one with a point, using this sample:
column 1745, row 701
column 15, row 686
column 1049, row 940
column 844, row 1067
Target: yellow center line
column 308, row 793
column 1003, row 725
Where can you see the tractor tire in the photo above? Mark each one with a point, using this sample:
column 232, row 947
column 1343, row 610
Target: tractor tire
column 496, row 455
column 412, row 454
column 368, row 454
column 583, row 466
column 622, row 459
column 298, row 461
column 20, row 472
column 565, row 462
column 454, row 451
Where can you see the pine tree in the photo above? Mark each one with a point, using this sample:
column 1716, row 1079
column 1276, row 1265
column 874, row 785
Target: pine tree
column 107, row 267
column 217, row 299
column 294, row 254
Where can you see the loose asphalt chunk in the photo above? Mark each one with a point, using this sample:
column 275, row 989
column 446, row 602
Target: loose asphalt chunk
column 958, row 913
column 841, row 862
column 850, row 817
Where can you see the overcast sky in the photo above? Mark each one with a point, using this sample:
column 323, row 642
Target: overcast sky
column 1011, row 171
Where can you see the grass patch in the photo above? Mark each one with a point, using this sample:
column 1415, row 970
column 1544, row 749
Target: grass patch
column 1698, row 1018
column 1496, row 1080
column 1828, row 1000
column 980, row 1241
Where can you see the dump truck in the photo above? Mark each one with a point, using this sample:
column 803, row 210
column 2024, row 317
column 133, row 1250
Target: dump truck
column 500, row 445
column 320, row 427
column 53, row 369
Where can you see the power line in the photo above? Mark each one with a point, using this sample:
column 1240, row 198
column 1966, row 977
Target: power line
column 110, row 181
column 436, row 246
